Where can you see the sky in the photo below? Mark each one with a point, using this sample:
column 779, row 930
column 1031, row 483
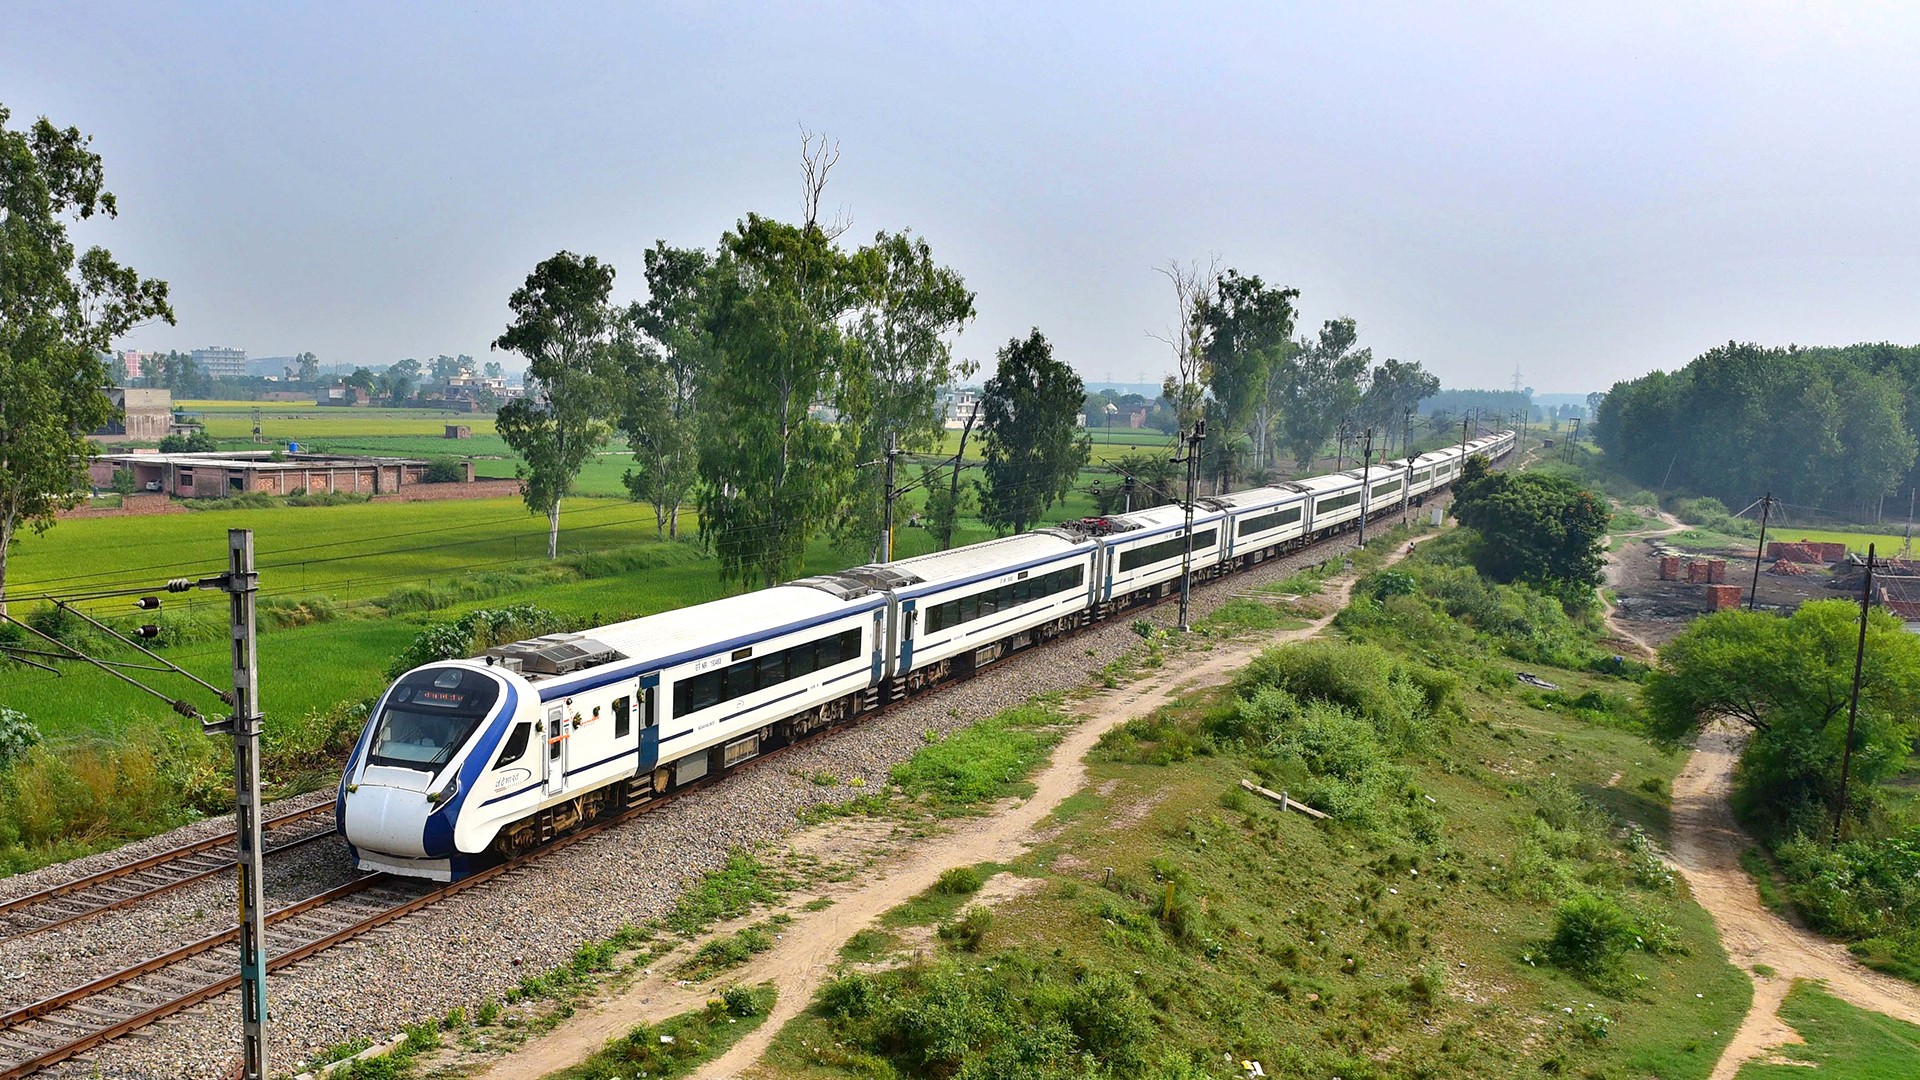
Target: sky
column 1583, row 192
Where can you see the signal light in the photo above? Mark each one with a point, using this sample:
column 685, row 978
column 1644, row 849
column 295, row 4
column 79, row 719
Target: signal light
column 147, row 603
column 147, row 631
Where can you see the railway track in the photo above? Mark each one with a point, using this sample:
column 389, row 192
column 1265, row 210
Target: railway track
column 84, row 1017
column 153, row 875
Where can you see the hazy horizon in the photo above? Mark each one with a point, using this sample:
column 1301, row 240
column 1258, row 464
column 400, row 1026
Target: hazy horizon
column 1583, row 195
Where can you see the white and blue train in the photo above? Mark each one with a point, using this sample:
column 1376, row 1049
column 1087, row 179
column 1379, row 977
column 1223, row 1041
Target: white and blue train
column 466, row 760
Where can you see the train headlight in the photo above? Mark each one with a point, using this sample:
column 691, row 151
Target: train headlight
column 440, row 798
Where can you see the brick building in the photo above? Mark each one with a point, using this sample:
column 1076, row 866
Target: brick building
column 203, row 476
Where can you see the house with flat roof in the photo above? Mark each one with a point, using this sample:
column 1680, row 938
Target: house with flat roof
column 273, row 472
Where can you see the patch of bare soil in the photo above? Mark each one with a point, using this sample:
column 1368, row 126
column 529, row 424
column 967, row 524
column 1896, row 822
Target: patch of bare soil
column 1707, row 843
column 809, row 950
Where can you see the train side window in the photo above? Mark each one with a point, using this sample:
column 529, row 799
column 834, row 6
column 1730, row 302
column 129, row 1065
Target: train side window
column 1007, row 597
column 516, row 747
column 622, row 717
column 773, row 668
column 739, row 681
column 700, row 692
column 850, row 644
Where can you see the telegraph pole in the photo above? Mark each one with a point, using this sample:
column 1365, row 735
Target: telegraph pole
column 886, row 532
column 241, row 583
column 1766, row 503
column 1366, row 486
column 1190, row 454
column 1853, row 703
column 1126, row 495
column 1573, row 439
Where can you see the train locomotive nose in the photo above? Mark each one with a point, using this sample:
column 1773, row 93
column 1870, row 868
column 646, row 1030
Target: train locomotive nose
column 394, row 820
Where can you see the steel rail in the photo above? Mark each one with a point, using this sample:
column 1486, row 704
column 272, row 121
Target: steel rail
column 66, row 891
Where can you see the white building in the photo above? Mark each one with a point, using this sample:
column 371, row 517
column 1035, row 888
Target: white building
column 221, row 363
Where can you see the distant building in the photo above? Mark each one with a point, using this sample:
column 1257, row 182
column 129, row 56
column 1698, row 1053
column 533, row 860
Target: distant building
column 134, row 362
column 148, row 416
column 218, row 475
column 958, row 407
column 221, row 363
column 342, row 394
column 469, row 393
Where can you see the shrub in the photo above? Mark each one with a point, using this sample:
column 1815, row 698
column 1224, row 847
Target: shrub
column 444, row 470
column 960, row 881
column 17, row 736
column 969, row 931
column 477, row 631
column 853, row 996
column 742, row 1001
column 1591, row 937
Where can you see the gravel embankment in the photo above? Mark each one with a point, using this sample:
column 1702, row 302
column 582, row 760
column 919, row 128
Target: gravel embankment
column 478, row 944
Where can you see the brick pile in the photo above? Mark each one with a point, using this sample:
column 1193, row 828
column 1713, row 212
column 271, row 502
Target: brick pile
column 1670, row 568
column 1802, row 552
column 1722, row 597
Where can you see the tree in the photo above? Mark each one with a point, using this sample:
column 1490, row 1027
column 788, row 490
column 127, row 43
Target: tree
column 1034, row 449
column 401, row 378
column 1319, row 386
column 561, row 325
column 662, row 366
column 309, row 368
column 1395, row 389
column 59, row 312
column 361, row 378
column 944, row 510
column 772, row 471
column 1156, row 479
column 1542, row 529
column 909, row 309
column 1789, row 679
column 493, row 370
column 1193, row 287
column 1245, row 325
column 445, row 368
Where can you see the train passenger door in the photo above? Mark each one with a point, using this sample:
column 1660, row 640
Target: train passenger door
column 556, row 756
column 909, row 615
column 649, row 705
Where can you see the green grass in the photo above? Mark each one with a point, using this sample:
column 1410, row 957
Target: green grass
column 1408, row 936
column 681, row 1044
column 1887, row 544
column 1766, row 880
column 1842, row 1042
column 281, row 421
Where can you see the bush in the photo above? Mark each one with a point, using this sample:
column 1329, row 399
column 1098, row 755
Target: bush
column 969, row 931
column 1591, row 937
column 960, row 881
column 477, row 631
column 444, row 470
column 17, row 736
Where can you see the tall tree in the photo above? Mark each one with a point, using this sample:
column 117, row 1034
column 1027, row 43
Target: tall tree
column 662, row 367
column 1193, row 288
column 909, row 309
column 308, row 370
column 1319, row 386
column 771, row 470
column 493, row 370
column 1244, row 327
column 59, row 313
column 1395, row 389
column 1034, row 448
column 562, row 325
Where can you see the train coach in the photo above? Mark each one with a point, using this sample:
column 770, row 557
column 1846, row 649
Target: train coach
column 472, row 759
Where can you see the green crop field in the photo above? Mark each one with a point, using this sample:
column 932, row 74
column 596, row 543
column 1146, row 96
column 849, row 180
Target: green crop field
column 281, row 421
column 1888, row 544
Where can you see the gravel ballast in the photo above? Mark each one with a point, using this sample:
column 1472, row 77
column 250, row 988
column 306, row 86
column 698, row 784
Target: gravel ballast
column 477, row 945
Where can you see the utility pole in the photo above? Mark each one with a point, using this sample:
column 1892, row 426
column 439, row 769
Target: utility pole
column 1465, row 419
column 886, row 531
column 1366, row 486
column 1190, row 454
column 241, row 583
column 1766, row 503
column 1340, row 447
column 1126, row 494
column 1853, row 703
column 1573, row 439
column 1406, row 436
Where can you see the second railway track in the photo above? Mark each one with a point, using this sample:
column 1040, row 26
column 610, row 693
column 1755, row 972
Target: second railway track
column 153, row 875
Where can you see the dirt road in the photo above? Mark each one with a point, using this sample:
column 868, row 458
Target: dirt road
column 1707, row 843
column 1611, row 575
column 809, row 948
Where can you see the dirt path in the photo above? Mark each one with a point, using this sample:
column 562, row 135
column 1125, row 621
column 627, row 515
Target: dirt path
column 1612, row 576
column 809, row 948
column 1707, row 843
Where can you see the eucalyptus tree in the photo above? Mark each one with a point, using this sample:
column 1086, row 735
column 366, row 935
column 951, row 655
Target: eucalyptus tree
column 773, row 463
column 563, row 326
column 909, row 309
column 1034, row 448
column 662, row 349
column 1244, row 326
column 1319, row 386
column 60, row 310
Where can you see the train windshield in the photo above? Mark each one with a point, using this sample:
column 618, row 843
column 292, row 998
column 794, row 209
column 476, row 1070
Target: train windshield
column 429, row 716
